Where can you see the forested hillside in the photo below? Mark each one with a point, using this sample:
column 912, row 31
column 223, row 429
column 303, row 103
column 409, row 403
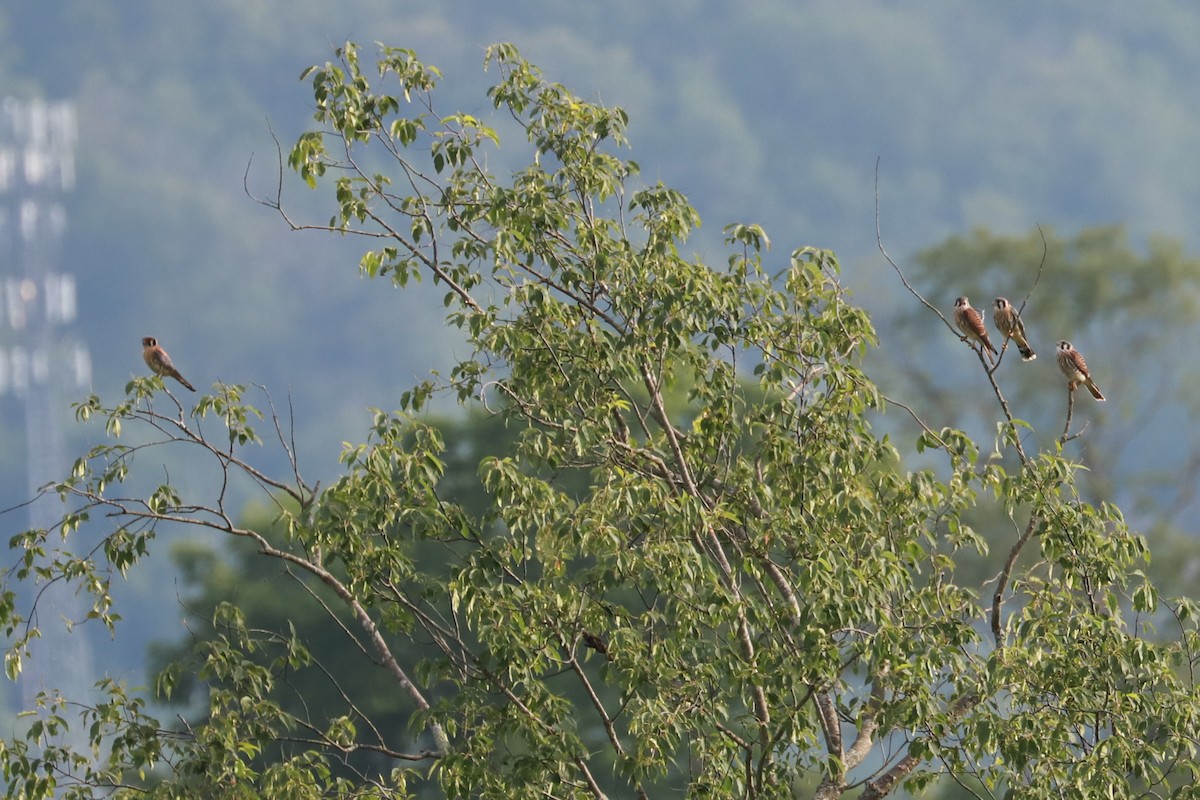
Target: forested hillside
column 982, row 116
column 985, row 122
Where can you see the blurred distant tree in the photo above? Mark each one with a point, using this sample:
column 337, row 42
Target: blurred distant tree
column 747, row 598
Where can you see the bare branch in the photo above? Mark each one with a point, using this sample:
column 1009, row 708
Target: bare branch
column 1041, row 265
column 868, row 724
column 1005, row 575
column 275, row 204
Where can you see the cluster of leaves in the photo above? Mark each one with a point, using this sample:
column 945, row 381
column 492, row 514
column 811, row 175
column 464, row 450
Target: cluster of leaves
column 695, row 568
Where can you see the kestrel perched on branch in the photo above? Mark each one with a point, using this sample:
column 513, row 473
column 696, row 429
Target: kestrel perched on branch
column 1008, row 322
column 971, row 324
column 1075, row 368
column 158, row 360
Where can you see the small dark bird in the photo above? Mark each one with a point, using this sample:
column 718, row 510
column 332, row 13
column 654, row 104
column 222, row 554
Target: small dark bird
column 158, row 360
column 596, row 643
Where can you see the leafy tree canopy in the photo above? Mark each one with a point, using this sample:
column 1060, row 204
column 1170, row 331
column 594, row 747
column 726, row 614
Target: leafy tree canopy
column 694, row 567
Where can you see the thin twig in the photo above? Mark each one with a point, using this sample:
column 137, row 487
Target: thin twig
column 903, row 279
column 1041, row 265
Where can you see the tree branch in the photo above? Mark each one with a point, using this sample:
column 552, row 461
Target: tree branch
column 1004, row 577
column 885, row 784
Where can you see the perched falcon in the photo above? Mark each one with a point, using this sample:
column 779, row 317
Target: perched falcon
column 1075, row 368
column 971, row 324
column 158, row 360
column 1008, row 322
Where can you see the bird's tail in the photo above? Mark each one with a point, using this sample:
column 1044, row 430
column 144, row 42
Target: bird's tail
column 175, row 374
column 1095, row 391
column 1027, row 353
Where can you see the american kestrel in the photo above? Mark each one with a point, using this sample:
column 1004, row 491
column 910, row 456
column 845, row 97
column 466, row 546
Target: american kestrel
column 1075, row 368
column 1008, row 322
column 971, row 324
column 158, row 360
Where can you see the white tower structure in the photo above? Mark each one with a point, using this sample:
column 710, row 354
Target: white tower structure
column 39, row 362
